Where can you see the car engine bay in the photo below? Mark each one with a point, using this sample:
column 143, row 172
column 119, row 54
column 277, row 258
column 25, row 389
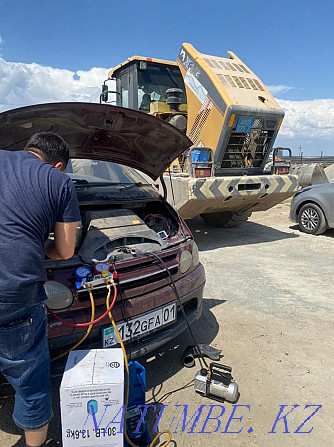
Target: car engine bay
column 112, row 234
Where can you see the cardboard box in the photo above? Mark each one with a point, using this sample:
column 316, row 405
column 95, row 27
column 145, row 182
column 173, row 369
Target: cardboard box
column 91, row 398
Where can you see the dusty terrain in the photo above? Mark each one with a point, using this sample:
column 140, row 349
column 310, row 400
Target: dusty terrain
column 269, row 306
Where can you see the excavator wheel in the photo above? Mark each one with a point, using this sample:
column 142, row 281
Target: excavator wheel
column 225, row 219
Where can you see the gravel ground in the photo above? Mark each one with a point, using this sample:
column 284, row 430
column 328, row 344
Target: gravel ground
column 268, row 305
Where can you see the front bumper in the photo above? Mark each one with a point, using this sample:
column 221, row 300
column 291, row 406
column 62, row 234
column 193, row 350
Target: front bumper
column 230, row 193
column 191, row 301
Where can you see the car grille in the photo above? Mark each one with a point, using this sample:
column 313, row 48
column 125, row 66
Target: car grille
column 150, row 273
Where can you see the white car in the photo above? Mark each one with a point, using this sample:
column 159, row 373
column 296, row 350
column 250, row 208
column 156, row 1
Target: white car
column 313, row 208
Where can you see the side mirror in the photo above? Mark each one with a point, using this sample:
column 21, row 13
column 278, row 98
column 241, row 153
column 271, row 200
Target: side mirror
column 104, row 94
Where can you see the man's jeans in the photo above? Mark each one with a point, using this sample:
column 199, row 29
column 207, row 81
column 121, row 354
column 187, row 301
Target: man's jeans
column 25, row 363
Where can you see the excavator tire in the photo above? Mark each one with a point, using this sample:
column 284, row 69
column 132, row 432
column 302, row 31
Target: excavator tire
column 225, row 219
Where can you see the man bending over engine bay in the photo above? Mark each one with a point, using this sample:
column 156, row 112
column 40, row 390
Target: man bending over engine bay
column 36, row 197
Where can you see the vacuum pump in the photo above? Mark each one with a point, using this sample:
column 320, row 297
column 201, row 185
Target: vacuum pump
column 216, row 383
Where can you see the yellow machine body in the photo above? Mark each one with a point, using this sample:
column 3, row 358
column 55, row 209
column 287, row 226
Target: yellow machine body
column 230, row 115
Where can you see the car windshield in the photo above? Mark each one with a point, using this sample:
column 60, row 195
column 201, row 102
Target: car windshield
column 101, row 172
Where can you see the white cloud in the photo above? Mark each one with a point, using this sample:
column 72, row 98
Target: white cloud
column 26, row 84
column 0, row 40
column 311, row 119
column 277, row 89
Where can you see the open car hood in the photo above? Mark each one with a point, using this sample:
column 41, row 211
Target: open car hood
column 100, row 132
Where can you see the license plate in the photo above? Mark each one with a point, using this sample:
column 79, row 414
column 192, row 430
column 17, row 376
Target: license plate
column 244, row 125
column 138, row 326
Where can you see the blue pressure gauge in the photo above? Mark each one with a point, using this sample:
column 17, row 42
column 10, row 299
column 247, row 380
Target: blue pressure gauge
column 81, row 273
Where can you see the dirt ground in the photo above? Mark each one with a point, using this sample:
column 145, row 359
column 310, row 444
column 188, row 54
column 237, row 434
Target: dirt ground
column 268, row 305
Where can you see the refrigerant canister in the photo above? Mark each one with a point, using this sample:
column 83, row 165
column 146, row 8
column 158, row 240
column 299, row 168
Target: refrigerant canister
column 218, row 389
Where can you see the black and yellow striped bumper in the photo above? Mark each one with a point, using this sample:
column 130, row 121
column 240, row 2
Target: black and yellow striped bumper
column 238, row 194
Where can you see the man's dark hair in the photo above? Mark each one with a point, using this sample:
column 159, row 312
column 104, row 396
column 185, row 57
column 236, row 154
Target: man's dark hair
column 50, row 146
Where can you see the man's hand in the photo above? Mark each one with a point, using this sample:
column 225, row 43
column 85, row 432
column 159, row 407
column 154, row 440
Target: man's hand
column 62, row 247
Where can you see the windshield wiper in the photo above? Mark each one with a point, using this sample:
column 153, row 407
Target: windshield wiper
column 170, row 74
column 85, row 183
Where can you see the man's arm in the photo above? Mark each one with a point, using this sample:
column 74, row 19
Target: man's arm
column 62, row 247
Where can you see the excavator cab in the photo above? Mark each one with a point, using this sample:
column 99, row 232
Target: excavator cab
column 142, row 84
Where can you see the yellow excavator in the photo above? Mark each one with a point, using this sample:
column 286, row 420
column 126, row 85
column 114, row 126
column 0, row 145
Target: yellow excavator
column 230, row 117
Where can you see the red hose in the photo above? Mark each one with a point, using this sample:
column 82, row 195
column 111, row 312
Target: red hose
column 90, row 322
column 159, row 217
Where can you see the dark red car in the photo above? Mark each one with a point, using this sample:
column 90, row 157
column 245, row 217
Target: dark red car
column 126, row 225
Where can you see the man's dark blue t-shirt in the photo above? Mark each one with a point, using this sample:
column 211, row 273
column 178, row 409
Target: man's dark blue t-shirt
column 34, row 195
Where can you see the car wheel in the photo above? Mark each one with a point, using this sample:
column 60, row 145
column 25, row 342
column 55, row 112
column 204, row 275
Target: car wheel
column 311, row 219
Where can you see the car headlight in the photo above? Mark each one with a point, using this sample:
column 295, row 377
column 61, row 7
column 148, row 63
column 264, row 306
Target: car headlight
column 195, row 254
column 59, row 296
column 185, row 261
column 188, row 258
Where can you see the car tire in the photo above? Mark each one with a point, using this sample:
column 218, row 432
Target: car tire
column 225, row 219
column 311, row 219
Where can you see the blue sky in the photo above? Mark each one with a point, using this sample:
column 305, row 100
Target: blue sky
column 288, row 44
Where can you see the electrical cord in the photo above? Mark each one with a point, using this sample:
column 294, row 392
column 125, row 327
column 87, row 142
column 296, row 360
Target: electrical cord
column 127, row 322
column 166, row 395
column 120, row 292
column 165, row 444
column 172, row 283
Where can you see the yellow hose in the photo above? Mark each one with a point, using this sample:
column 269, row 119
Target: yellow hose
column 166, row 443
column 110, row 282
column 89, row 328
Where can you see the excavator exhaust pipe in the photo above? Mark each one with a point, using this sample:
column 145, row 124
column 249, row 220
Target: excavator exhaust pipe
column 174, row 99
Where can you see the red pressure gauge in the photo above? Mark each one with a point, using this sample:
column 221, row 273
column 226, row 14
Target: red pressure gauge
column 101, row 269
